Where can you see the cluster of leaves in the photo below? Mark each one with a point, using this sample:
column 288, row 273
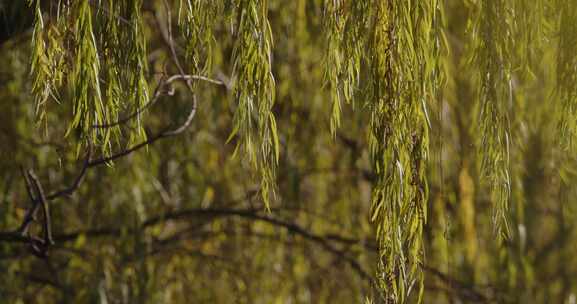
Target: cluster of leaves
column 254, row 89
column 345, row 25
column 505, row 100
column 198, row 31
column 403, row 54
column 492, row 42
column 567, row 74
column 403, row 65
column 91, row 50
column 46, row 62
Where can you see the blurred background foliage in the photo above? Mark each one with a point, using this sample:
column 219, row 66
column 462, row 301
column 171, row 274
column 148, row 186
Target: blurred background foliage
column 184, row 220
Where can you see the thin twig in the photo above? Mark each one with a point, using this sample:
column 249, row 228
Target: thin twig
column 69, row 190
column 158, row 92
column 149, row 141
column 196, row 77
column 169, row 40
column 31, row 213
column 45, row 208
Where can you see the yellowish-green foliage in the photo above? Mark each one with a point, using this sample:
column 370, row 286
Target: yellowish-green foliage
column 111, row 47
column 345, row 23
column 404, row 68
column 46, row 58
column 302, row 151
column 197, row 28
column 254, row 89
column 135, row 56
column 567, row 73
column 73, row 55
column 491, row 34
column 88, row 108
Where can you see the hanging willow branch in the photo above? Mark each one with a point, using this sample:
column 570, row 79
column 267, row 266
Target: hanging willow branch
column 345, row 27
column 492, row 31
column 198, row 31
column 567, row 74
column 399, row 40
column 254, row 121
column 136, row 57
column 47, row 62
column 404, row 56
column 108, row 63
column 111, row 49
column 89, row 108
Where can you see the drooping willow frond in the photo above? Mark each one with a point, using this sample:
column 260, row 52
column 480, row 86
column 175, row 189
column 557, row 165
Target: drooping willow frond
column 491, row 42
column 47, row 61
column 122, row 46
column 136, row 57
column 345, row 24
column 254, row 121
column 108, row 67
column 111, row 62
column 88, row 108
column 403, row 49
column 200, row 17
column 567, row 74
column 529, row 35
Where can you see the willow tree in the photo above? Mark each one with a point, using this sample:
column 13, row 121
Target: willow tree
column 258, row 151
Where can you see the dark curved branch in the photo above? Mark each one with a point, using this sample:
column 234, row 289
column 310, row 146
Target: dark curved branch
column 45, row 208
column 31, row 213
column 69, row 190
column 251, row 214
column 158, row 92
column 89, row 163
column 21, row 234
column 150, row 140
column 326, row 242
column 38, row 199
column 463, row 291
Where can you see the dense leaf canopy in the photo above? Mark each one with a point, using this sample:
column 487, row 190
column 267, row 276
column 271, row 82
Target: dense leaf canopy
column 275, row 151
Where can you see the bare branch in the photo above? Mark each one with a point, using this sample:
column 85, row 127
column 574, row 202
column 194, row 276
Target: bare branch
column 31, row 213
column 158, row 92
column 77, row 181
column 45, row 208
